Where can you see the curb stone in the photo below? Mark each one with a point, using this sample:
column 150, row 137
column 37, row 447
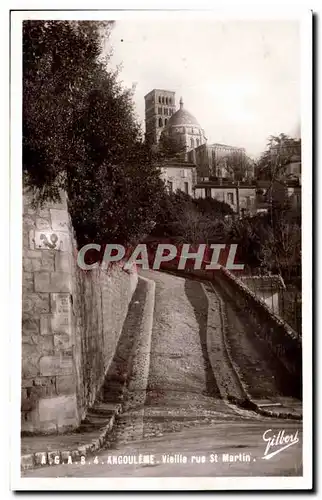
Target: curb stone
column 248, row 403
column 33, row 460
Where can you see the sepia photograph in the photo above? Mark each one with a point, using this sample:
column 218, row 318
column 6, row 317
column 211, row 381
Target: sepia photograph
column 159, row 158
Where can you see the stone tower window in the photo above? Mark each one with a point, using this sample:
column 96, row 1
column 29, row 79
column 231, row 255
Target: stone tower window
column 197, row 142
column 162, row 100
column 170, row 101
column 160, row 122
column 159, row 99
column 192, row 142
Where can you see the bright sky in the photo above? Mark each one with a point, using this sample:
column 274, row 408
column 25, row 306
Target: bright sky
column 241, row 80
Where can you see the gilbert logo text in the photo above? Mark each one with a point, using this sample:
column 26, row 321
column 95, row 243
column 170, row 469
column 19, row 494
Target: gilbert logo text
column 276, row 443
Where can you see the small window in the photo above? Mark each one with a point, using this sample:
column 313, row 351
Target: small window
column 159, row 99
column 170, row 186
column 165, row 111
column 186, row 187
column 192, row 142
column 160, row 122
column 165, row 121
column 160, row 111
column 170, row 101
column 198, row 142
column 166, row 100
column 162, row 100
column 208, row 192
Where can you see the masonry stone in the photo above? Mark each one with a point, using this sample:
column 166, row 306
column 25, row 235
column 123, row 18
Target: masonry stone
column 62, row 342
column 29, row 221
column 42, row 223
column 30, row 326
column 30, row 364
column 45, row 324
column 62, row 262
column 35, row 304
column 33, row 254
column 31, row 265
column 70, row 319
column 48, row 260
column 65, row 384
column 32, row 239
column 56, row 408
column 52, row 282
column 59, row 219
column 56, row 365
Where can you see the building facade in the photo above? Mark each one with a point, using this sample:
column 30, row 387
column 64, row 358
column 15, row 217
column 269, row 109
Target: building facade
column 212, row 160
column 184, row 129
column 179, row 175
column 240, row 197
column 159, row 107
column 279, row 192
column 195, row 160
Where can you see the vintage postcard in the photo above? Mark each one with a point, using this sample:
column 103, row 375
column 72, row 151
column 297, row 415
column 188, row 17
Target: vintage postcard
column 161, row 172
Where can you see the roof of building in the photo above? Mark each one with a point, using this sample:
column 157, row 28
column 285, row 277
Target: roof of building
column 183, row 117
column 218, row 144
column 175, row 163
column 223, row 185
column 159, row 90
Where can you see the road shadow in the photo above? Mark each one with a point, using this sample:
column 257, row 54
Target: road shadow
column 197, row 299
column 284, row 383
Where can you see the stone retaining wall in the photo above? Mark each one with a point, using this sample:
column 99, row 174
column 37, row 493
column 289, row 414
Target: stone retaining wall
column 71, row 321
column 281, row 338
column 100, row 305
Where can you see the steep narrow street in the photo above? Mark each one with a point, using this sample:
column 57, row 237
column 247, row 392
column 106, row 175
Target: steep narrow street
column 184, row 414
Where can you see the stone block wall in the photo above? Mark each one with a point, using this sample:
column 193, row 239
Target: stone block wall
column 48, row 398
column 100, row 304
column 71, row 322
column 283, row 341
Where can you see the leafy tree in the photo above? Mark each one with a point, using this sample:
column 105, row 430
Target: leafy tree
column 190, row 220
column 280, row 150
column 81, row 135
column 59, row 68
column 238, row 166
column 212, row 207
column 170, row 147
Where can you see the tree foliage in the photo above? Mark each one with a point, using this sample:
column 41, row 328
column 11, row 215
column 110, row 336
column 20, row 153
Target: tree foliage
column 191, row 220
column 80, row 133
column 238, row 166
column 279, row 153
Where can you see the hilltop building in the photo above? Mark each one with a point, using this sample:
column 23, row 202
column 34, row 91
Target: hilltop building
column 197, row 162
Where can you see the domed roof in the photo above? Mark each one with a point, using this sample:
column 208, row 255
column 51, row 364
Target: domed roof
column 183, row 117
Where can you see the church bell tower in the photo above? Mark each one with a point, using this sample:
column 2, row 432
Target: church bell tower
column 159, row 107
